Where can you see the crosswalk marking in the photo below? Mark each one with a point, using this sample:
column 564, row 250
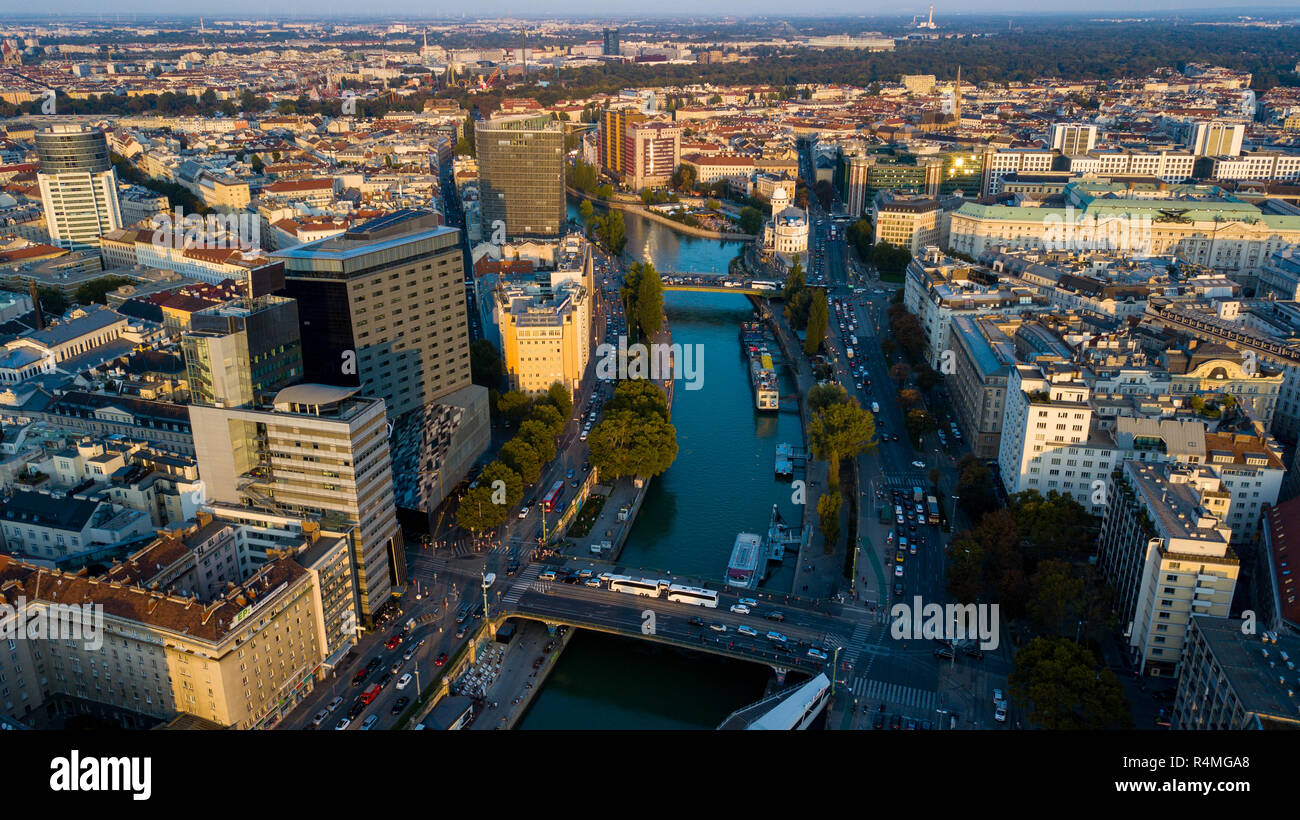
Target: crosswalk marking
column 521, row 584
column 895, row 693
column 857, row 643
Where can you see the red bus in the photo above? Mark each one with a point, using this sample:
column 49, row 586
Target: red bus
column 370, row 694
column 551, row 498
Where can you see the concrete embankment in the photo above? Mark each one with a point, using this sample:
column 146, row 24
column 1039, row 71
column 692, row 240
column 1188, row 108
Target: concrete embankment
column 640, row 210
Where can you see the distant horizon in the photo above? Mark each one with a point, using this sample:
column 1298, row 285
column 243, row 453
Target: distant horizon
column 685, row 10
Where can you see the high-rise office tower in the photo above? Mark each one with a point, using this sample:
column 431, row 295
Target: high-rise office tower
column 78, row 185
column 241, row 350
column 614, row 126
column 1215, row 139
column 316, row 451
column 382, row 307
column 521, row 175
column 1073, row 139
column 651, row 152
column 610, row 47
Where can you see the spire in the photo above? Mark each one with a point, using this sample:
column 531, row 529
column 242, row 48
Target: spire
column 957, row 97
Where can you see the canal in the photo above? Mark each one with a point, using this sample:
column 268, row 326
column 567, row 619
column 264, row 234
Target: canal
column 722, row 483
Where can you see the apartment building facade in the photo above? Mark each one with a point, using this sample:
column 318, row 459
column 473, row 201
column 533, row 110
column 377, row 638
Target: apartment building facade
column 1164, row 547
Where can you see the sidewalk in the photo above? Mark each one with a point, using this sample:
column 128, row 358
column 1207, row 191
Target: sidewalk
column 826, row 576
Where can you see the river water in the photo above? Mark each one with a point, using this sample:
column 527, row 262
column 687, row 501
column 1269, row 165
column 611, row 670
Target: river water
column 722, row 483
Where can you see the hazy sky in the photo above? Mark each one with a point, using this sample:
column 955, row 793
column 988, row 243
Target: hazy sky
column 596, row 8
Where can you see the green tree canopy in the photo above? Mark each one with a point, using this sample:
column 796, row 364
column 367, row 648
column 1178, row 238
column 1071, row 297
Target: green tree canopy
column 626, row 443
column 839, row 431
column 515, row 406
column 641, row 396
column 823, row 395
column 649, row 301
column 1060, row 685
column 522, row 457
column 539, row 435
column 1053, row 527
column 548, row 415
column 561, row 398
column 514, row 483
column 750, row 220
column 818, row 318
column 975, row 487
column 477, row 513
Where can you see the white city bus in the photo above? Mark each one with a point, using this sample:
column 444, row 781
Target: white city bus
column 693, row 595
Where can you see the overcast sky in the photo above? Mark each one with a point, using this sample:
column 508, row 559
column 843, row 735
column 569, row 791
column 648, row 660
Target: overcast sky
column 108, row 9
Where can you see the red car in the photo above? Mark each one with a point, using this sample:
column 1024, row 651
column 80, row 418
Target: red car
column 394, row 642
column 441, row 659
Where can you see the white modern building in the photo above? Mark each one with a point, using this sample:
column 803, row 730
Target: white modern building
column 78, row 185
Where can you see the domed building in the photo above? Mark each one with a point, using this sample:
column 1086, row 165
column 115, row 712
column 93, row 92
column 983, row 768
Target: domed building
column 785, row 233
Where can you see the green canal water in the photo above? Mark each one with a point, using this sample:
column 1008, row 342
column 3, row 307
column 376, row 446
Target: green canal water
column 722, row 483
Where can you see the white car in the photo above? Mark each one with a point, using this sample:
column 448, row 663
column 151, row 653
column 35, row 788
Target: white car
column 523, row 513
column 343, row 724
column 918, row 464
column 748, row 602
column 320, row 718
column 334, row 704
column 370, row 723
column 1000, row 713
column 718, row 627
column 817, row 653
column 404, row 681
column 898, row 570
column 747, row 630
column 997, row 696
column 740, row 609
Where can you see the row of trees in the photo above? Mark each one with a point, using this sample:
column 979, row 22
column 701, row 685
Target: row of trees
column 797, row 296
column 501, row 483
column 642, row 292
column 839, row 429
column 609, row 230
column 634, row 437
